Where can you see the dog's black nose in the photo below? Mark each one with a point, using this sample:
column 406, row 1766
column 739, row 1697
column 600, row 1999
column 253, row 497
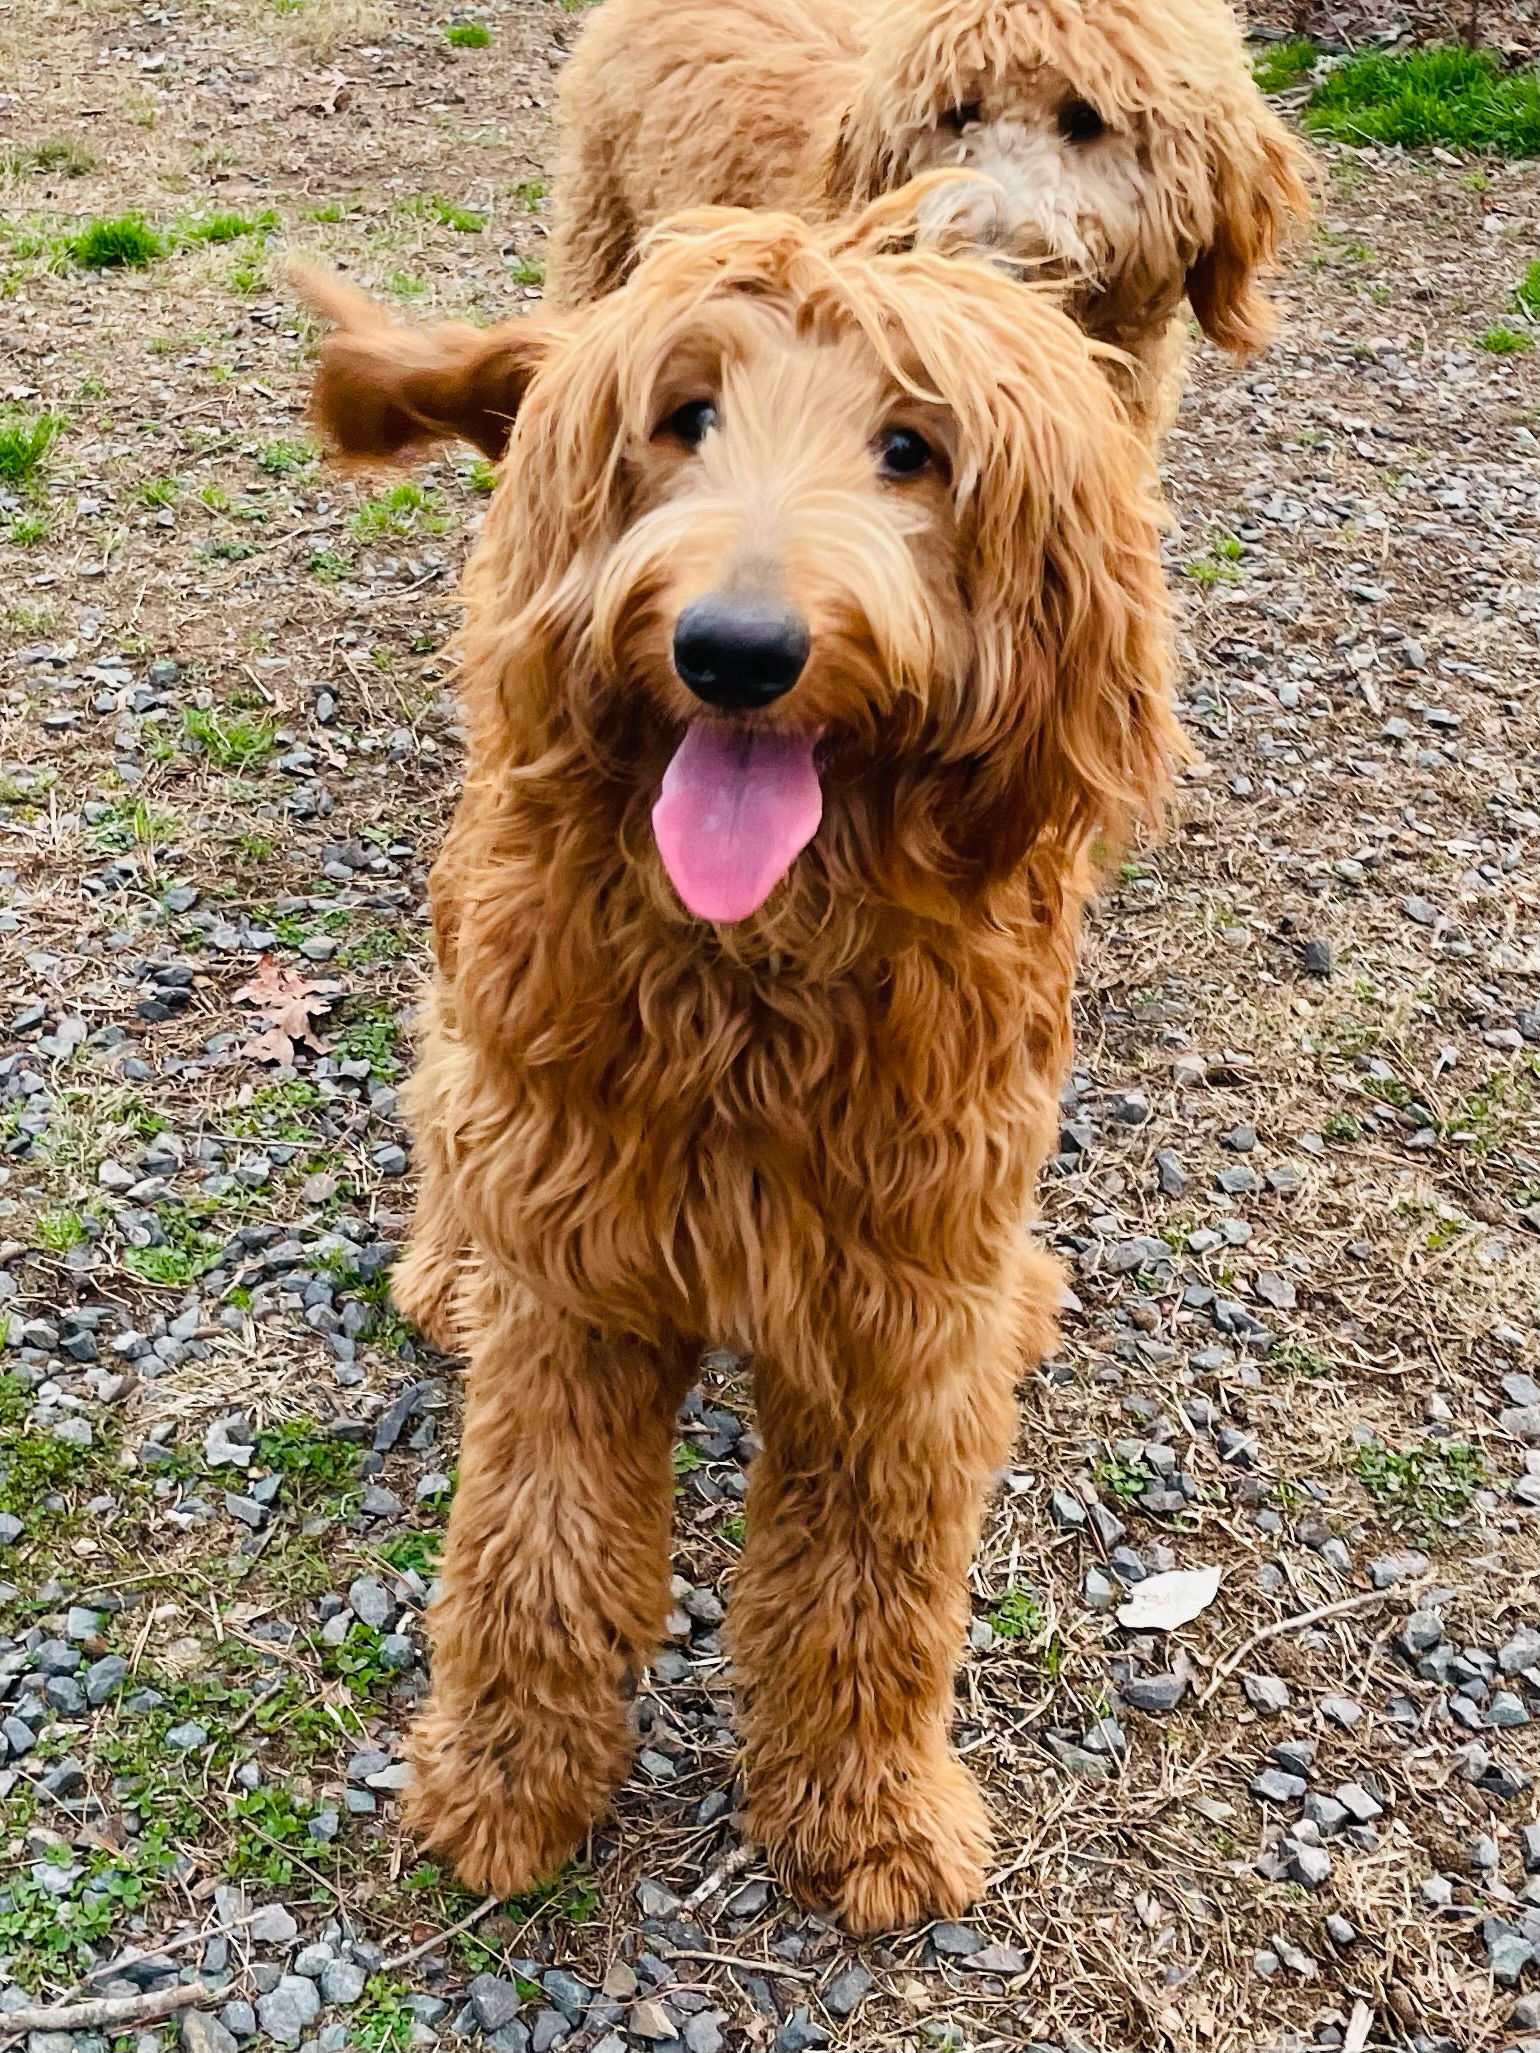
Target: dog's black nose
column 738, row 652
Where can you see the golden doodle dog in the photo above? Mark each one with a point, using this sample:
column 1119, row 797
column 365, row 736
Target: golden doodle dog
column 1128, row 145
column 816, row 631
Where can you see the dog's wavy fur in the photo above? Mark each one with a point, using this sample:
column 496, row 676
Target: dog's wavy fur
column 820, row 105
column 812, row 1135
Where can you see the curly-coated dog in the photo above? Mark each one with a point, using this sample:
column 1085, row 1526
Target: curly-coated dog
column 816, row 631
column 1127, row 140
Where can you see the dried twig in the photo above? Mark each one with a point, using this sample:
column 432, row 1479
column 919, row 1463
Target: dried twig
column 177, row 1945
column 720, row 1876
column 1364, row 1601
column 441, row 1939
column 103, row 2013
column 1359, row 2026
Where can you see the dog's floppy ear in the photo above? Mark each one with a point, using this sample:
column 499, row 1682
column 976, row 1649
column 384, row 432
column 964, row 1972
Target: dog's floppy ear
column 1257, row 205
column 383, row 387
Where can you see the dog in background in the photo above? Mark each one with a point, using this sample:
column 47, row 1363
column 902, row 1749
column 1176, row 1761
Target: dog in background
column 1127, row 144
column 816, row 632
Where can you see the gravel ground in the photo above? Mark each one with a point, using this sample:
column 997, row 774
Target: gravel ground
column 1298, row 1192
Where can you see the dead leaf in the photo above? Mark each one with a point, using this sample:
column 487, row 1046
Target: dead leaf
column 1163, row 1602
column 332, row 95
column 286, row 1003
column 273, row 1046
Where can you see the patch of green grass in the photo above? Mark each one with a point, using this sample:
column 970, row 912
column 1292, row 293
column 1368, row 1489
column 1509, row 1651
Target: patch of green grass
column 157, row 492
column 687, row 1458
column 60, row 1231
column 404, row 510
column 277, row 1112
column 359, row 1660
column 531, row 194
column 1428, row 1485
column 1505, row 342
column 253, row 848
column 174, row 1267
column 272, row 1826
column 232, row 744
column 328, row 565
column 526, row 271
column 316, row 1468
column 1282, row 65
column 1526, row 294
column 248, row 280
column 1018, row 1615
column 218, row 228
column 415, row 1549
column 467, row 35
column 1126, row 1479
column 383, row 2020
column 279, row 458
column 34, row 1466
column 47, row 1932
column 371, row 1036
column 463, row 220
column 28, row 528
column 25, row 440
column 125, row 243
column 380, row 944
column 1209, row 570
column 130, row 823
column 482, row 476
column 1486, row 1117
column 734, row 1529
column 57, row 154
column 573, row 1895
column 1460, row 98
column 1299, row 1358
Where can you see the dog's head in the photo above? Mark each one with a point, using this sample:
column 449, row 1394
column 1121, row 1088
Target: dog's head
column 1128, row 138
column 801, row 534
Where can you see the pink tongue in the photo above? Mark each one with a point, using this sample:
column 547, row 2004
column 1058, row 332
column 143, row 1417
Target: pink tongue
column 737, row 807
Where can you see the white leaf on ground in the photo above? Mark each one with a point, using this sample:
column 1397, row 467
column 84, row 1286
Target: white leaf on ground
column 1162, row 1602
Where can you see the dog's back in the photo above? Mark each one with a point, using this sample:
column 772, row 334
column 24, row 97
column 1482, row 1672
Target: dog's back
column 712, row 102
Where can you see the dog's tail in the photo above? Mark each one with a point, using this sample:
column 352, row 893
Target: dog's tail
column 384, row 388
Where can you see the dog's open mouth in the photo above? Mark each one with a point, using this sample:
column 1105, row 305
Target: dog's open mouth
column 738, row 806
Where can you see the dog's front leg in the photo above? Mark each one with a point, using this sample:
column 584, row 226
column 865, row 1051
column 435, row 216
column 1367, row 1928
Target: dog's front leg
column 555, row 1586
column 849, row 1611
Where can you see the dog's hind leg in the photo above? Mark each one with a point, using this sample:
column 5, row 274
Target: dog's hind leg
column 555, row 1586
column 849, row 1610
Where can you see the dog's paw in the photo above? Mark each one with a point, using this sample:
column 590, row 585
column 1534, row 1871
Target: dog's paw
column 911, row 1851
column 507, row 1809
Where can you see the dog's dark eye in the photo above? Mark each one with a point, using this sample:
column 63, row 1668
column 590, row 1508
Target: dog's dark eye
column 1079, row 122
column 902, row 453
column 963, row 117
column 689, row 423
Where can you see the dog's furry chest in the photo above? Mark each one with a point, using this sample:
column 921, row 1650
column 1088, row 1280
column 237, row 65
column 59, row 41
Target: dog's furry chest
column 699, row 1150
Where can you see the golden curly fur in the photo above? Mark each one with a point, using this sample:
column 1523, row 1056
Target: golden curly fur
column 812, row 1134
column 1128, row 145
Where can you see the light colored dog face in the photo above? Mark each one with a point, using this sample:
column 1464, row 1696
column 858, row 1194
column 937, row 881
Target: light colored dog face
column 1127, row 138
column 796, row 529
column 1073, row 192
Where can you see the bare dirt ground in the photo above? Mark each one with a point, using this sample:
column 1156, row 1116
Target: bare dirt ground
column 1299, row 1192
